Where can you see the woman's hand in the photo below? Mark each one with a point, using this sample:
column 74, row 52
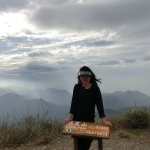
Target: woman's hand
column 67, row 121
column 106, row 122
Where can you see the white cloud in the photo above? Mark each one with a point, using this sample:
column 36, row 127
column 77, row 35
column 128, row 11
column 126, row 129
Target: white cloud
column 12, row 23
column 13, row 5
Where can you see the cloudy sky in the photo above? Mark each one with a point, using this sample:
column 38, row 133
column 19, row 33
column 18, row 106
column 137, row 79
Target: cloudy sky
column 44, row 43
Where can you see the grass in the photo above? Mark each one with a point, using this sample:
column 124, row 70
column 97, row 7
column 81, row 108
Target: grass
column 42, row 130
column 28, row 129
column 123, row 134
column 134, row 124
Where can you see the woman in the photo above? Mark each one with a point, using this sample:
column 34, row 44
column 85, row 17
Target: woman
column 86, row 94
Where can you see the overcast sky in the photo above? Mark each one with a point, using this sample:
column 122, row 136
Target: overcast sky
column 44, row 43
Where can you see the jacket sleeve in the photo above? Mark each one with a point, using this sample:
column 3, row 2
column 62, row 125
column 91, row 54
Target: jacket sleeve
column 74, row 100
column 99, row 103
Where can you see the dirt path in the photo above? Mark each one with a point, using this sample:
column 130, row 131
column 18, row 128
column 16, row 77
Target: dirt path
column 119, row 140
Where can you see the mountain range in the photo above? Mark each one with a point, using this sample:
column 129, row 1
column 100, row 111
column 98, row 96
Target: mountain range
column 119, row 99
column 56, row 103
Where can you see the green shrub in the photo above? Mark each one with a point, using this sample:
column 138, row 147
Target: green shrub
column 132, row 119
column 136, row 119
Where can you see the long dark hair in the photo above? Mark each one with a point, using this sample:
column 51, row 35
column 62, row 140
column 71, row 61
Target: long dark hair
column 93, row 80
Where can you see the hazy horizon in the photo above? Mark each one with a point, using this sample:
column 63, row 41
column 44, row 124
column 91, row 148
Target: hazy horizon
column 18, row 88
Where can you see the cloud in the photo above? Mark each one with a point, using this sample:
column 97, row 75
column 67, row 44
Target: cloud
column 18, row 51
column 13, row 5
column 128, row 19
column 4, row 46
column 129, row 60
column 16, row 40
column 33, row 67
column 93, row 16
column 11, row 42
column 21, row 44
column 39, row 54
column 38, row 66
column 28, row 32
column 110, row 62
column 88, row 43
column 146, row 58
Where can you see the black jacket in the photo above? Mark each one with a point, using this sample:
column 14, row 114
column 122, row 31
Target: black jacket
column 84, row 101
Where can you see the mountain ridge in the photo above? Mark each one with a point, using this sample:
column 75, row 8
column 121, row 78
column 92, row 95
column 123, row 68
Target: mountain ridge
column 58, row 102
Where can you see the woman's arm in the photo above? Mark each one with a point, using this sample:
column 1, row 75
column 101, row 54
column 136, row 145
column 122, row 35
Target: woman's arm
column 74, row 100
column 99, row 102
column 73, row 105
column 68, row 119
column 100, row 107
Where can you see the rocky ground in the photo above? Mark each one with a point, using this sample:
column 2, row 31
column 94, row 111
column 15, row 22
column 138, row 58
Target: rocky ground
column 119, row 140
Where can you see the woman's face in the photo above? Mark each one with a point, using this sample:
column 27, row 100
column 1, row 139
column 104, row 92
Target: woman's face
column 85, row 79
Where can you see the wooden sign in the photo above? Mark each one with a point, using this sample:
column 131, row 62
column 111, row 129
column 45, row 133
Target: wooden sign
column 87, row 129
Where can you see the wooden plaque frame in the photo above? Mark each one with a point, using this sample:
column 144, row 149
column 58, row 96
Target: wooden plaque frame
column 87, row 129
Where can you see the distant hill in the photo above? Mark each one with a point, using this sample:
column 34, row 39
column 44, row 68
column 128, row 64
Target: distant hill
column 14, row 105
column 119, row 99
column 133, row 98
column 113, row 102
column 39, row 106
column 10, row 101
column 57, row 96
column 5, row 91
